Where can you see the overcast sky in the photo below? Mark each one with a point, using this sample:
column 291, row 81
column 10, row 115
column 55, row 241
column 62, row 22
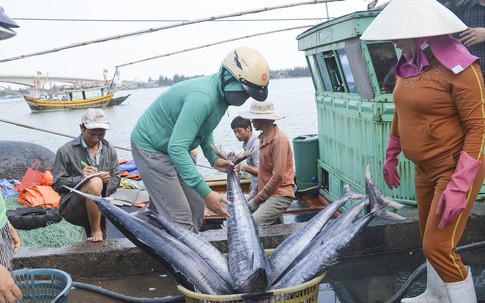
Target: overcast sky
column 280, row 49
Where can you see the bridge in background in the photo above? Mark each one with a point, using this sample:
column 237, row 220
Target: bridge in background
column 37, row 81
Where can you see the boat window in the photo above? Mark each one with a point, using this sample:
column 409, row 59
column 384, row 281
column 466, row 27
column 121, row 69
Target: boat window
column 333, row 72
column 95, row 93
column 315, row 73
column 349, row 77
column 384, row 59
column 327, row 85
column 77, row 95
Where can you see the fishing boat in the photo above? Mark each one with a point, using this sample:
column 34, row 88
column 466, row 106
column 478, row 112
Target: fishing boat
column 74, row 97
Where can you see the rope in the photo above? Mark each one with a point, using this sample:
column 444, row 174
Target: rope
column 155, row 29
column 212, row 44
column 164, row 20
column 69, row 136
column 49, row 131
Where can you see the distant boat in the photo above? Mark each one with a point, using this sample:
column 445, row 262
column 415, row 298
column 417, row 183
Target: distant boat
column 75, row 97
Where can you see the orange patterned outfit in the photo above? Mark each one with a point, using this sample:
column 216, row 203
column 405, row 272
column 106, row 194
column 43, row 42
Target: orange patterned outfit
column 439, row 114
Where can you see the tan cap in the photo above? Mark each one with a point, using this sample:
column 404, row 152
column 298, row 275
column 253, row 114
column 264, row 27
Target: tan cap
column 95, row 118
column 406, row 19
column 261, row 110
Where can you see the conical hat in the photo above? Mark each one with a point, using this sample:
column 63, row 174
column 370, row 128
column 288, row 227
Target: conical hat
column 405, row 19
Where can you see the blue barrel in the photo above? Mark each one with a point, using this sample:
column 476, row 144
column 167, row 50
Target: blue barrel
column 305, row 151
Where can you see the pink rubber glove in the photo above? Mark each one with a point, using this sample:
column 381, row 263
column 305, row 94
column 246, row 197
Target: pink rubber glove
column 453, row 199
column 390, row 173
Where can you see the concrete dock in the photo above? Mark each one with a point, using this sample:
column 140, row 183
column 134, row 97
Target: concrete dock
column 119, row 257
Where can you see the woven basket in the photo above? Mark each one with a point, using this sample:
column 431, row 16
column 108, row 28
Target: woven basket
column 303, row 293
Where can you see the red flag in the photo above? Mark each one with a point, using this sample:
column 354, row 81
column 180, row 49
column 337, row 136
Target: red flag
column 105, row 71
column 39, row 73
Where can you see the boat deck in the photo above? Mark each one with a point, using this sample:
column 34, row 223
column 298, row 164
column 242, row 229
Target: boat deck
column 303, row 204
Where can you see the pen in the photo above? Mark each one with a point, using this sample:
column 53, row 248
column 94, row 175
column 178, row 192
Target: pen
column 84, row 164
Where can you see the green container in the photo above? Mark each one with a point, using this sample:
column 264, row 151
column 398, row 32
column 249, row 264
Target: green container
column 305, row 150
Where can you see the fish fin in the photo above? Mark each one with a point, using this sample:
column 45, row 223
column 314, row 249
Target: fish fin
column 224, row 226
column 390, row 215
column 243, row 156
column 89, row 196
column 351, row 195
column 378, row 201
column 368, row 176
column 391, row 203
column 219, row 152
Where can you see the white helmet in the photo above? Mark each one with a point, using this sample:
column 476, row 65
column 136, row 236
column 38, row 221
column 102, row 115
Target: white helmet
column 251, row 69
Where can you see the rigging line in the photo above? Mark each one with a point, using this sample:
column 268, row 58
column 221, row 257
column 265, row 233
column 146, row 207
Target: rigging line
column 155, row 29
column 69, row 136
column 212, row 44
column 164, row 20
column 49, row 131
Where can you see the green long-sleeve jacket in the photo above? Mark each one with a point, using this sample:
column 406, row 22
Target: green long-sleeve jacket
column 181, row 119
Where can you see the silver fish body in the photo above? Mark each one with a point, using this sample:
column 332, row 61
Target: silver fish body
column 214, row 258
column 330, row 231
column 291, row 247
column 248, row 264
column 188, row 268
column 315, row 263
column 316, row 260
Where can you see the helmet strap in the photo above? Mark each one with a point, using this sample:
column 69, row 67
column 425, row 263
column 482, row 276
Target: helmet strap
column 224, row 82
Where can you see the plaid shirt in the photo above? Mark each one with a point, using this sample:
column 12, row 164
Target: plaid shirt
column 473, row 15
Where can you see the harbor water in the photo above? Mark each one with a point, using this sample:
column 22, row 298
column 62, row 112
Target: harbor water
column 293, row 98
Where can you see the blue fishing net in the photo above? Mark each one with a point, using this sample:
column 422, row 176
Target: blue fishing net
column 8, row 188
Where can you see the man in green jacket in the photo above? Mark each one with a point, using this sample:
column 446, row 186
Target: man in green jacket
column 183, row 118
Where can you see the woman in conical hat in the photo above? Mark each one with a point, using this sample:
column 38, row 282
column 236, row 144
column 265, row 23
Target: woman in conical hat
column 439, row 125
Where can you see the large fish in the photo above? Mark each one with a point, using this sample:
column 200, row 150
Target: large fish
column 197, row 243
column 187, row 267
column 248, row 263
column 317, row 261
column 330, row 231
column 291, row 247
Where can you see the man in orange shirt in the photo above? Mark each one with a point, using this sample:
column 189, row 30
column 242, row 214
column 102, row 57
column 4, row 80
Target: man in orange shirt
column 276, row 173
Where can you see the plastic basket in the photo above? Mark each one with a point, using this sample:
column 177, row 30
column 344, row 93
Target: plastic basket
column 32, row 177
column 43, row 285
column 303, row 293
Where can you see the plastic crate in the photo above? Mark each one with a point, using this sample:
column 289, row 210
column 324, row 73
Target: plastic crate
column 43, row 285
column 303, row 293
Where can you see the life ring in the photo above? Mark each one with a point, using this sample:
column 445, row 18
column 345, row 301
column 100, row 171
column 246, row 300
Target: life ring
column 27, row 218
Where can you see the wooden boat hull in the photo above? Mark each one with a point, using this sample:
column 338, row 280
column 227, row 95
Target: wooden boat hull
column 303, row 204
column 48, row 105
column 37, row 105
